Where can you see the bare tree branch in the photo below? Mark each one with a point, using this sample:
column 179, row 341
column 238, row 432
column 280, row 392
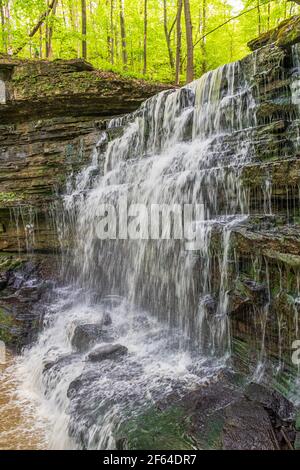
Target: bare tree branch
column 234, row 18
column 37, row 26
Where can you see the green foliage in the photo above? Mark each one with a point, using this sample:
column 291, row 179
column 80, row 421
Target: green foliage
column 104, row 44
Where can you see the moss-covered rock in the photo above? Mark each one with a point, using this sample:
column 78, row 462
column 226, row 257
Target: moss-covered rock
column 155, row 429
column 285, row 34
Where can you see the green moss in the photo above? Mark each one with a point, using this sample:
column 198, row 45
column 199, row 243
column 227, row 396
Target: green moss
column 211, row 439
column 6, row 323
column 286, row 258
column 155, row 429
column 8, row 263
column 9, row 197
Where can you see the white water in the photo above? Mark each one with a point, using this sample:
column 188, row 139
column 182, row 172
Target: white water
column 182, row 146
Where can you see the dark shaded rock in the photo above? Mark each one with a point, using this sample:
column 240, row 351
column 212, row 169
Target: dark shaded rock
column 85, row 336
column 107, row 319
column 23, row 299
column 273, row 401
column 3, row 280
column 223, row 414
column 247, row 427
column 81, row 383
column 58, row 363
column 209, row 304
column 257, row 293
column 108, row 351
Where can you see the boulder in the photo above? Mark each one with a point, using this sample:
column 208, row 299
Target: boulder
column 86, row 335
column 247, row 427
column 271, row 400
column 107, row 351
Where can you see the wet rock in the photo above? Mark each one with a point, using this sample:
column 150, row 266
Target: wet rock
column 257, row 293
column 108, row 351
column 58, row 363
column 22, row 303
column 3, row 280
column 106, row 319
column 80, row 384
column 209, row 304
column 225, row 415
column 273, row 401
column 86, row 335
column 261, row 419
column 247, row 427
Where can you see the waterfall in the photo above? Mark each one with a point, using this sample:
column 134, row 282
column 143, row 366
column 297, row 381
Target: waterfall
column 165, row 296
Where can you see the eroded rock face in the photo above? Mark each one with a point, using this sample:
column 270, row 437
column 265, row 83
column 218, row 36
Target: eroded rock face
column 51, row 117
column 25, row 289
column 36, row 89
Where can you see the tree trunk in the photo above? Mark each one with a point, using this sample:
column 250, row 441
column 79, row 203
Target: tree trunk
column 189, row 42
column 112, row 40
column 167, row 34
column 258, row 17
column 123, row 35
column 3, row 31
column 39, row 24
column 83, row 29
column 145, row 35
column 49, row 32
column 269, row 16
column 178, row 42
column 202, row 33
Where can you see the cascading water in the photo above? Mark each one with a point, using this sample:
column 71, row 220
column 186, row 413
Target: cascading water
column 165, row 298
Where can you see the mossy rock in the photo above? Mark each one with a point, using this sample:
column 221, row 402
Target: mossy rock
column 6, row 323
column 285, row 34
column 155, row 429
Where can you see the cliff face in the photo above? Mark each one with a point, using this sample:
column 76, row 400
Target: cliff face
column 51, row 114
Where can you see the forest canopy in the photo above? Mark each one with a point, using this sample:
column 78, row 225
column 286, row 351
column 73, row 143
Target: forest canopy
column 164, row 40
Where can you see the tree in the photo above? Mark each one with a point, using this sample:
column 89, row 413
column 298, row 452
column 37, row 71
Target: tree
column 155, row 33
column 39, row 24
column 123, row 35
column 145, row 36
column 3, row 32
column 178, row 41
column 189, row 42
column 168, row 36
column 258, row 17
column 83, row 29
column 112, row 40
column 202, row 32
column 49, row 31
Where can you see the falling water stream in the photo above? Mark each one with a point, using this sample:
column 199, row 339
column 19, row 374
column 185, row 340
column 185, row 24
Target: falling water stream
column 166, row 299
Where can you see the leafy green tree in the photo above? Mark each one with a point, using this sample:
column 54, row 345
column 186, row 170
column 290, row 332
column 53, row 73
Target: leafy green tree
column 166, row 40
